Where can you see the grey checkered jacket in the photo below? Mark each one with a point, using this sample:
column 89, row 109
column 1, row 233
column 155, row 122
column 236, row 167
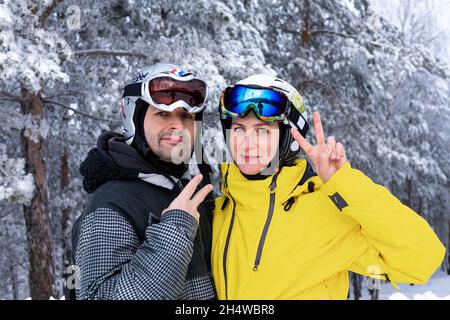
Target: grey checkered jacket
column 124, row 248
column 115, row 265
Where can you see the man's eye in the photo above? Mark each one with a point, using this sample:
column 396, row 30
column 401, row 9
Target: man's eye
column 187, row 116
column 162, row 113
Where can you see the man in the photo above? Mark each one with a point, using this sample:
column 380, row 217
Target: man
column 145, row 233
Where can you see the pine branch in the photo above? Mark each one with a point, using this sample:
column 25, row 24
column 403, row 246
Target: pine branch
column 85, row 114
column 12, row 97
column 65, row 93
column 113, row 53
column 335, row 33
column 48, row 11
column 322, row 85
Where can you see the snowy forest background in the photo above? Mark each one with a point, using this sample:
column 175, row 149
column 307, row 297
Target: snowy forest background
column 378, row 71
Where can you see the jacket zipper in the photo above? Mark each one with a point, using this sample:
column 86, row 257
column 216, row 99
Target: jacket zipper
column 262, row 240
column 263, row 236
column 227, row 242
column 225, row 251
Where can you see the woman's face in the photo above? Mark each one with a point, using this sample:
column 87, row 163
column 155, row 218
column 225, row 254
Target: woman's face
column 254, row 143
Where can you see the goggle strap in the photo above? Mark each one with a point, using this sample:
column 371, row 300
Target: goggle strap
column 132, row 90
column 294, row 115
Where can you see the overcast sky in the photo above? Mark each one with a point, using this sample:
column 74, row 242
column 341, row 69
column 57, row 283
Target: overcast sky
column 441, row 13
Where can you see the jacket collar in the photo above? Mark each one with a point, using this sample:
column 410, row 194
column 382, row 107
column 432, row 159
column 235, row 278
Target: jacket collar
column 291, row 181
column 113, row 159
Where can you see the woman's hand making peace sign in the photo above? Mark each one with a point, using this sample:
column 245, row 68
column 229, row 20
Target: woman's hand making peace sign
column 327, row 157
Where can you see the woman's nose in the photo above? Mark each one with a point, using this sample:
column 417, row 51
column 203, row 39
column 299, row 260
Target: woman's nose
column 250, row 139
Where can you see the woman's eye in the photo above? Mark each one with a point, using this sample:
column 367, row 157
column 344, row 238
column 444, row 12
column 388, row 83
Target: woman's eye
column 238, row 130
column 187, row 116
column 162, row 114
column 262, row 131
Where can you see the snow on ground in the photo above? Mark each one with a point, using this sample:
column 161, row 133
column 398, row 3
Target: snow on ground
column 437, row 288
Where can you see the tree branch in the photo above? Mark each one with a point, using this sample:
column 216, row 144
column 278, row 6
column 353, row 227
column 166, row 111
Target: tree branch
column 13, row 97
column 295, row 32
column 114, row 53
column 322, row 85
column 85, row 114
column 65, row 93
column 5, row 215
column 48, row 11
column 3, row 171
column 318, row 32
column 349, row 36
column 339, row 34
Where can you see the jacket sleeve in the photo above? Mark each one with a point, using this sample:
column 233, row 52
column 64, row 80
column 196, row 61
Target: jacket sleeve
column 114, row 265
column 400, row 245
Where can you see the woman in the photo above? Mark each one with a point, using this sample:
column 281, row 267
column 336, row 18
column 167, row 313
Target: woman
column 281, row 231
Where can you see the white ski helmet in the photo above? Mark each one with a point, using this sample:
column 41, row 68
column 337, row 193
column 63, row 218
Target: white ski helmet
column 139, row 89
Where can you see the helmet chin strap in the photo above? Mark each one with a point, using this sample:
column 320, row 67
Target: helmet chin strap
column 202, row 161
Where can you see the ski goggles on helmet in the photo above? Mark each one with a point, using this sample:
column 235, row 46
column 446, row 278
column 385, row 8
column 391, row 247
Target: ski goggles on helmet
column 169, row 91
column 267, row 104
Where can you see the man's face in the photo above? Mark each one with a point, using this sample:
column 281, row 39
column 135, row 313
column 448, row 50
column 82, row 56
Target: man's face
column 170, row 135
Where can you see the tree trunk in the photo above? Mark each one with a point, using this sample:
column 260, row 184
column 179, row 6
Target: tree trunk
column 65, row 183
column 37, row 222
column 14, row 280
column 356, row 283
column 374, row 293
column 66, row 212
column 409, row 191
column 448, row 250
column 305, row 35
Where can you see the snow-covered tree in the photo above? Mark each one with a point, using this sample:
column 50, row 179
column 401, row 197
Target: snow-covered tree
column 63, row 66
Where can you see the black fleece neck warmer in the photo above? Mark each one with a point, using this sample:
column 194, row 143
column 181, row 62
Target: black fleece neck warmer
column 113, row 159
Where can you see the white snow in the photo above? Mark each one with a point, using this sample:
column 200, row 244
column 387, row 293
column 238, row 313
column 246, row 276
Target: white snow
column 437, row 288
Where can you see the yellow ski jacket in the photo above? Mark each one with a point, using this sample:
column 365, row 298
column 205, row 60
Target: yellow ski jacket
column 291, row 236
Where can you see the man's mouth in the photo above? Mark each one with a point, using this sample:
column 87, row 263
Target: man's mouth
column 172, row 139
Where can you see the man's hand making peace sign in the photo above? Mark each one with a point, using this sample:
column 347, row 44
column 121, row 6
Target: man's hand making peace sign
column 327, row 157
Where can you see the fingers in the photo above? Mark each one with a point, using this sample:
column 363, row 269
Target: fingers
column 318, row 128
column 190, row 188
column 340, row 150
column 331, row 142
column 305, row 145
column 201, row 194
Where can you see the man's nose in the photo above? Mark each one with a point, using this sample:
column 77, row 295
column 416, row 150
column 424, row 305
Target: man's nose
column 175, row 122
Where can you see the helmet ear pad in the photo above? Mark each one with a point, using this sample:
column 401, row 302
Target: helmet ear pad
column 140, row 142
column 139, row 116
column 226, row 125
column 286, row 153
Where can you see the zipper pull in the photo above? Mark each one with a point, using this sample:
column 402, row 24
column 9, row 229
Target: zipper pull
column 391, row 282
column 273, row 184
column 255, row 268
